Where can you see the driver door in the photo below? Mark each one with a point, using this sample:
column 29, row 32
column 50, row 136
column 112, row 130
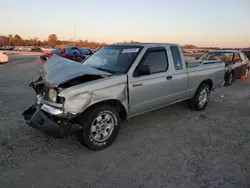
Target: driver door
column 147, row 92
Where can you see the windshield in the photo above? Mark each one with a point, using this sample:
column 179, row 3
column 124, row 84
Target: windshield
column 114, row 59
column 223, row 56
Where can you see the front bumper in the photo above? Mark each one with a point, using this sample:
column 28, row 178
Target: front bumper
column 46, row 123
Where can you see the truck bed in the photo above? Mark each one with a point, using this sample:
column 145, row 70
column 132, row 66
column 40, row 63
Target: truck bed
column 204, row 70
column 196, row 63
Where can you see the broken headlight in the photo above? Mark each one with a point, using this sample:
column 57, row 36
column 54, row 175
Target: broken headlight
column 52, row 94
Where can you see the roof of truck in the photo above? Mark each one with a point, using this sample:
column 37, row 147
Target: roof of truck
column 145, row 44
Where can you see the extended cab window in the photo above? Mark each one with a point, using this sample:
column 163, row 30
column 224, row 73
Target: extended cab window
column 237, row 57
column 156, row 60
column 176, row 57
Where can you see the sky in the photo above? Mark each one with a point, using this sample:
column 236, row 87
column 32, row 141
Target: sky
column 221, row 23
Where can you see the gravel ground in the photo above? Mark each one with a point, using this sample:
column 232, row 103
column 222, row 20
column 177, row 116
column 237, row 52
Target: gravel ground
column 170, row 147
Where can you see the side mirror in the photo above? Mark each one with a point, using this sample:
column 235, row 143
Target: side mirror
column 144, row 70
column 196, row 58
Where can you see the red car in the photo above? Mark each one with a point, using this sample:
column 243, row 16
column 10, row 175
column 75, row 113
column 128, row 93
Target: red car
column 71, row 53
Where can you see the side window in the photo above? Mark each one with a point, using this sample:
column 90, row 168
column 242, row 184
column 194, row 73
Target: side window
column 237, row 57
column 157, row 61
column 176, row 57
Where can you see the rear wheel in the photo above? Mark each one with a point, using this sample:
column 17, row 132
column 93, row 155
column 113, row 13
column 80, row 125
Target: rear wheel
column 201, row 98
column 246, row 73
column 100, row 127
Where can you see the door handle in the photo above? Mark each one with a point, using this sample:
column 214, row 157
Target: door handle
column 137, row 85
column 169, row 77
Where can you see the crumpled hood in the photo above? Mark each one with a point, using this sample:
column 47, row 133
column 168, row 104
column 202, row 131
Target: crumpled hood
column 58, row 70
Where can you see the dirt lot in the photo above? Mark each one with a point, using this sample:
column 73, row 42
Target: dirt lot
column 171, row 147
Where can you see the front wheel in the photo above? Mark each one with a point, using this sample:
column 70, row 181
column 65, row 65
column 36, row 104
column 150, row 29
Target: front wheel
column 201, row 98
column 100, row 127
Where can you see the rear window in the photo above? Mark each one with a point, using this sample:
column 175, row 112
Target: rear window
column 176, row 57
column 223, row 56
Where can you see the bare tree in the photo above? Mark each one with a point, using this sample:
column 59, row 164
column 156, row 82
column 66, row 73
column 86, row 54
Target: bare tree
column 17, row 40
column 52, row 40
column 10, row 38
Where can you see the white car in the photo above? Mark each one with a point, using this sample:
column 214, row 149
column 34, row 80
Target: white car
column 3, row 57
column 46, row 49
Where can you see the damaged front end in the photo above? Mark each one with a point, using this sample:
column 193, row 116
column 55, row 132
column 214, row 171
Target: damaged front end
column 48, row 114
column 47, row 123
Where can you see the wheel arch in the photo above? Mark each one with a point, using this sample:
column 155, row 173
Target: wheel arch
column 209, row 82
column 121, row 109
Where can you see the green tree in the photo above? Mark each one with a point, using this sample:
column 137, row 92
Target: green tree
column 52, row 40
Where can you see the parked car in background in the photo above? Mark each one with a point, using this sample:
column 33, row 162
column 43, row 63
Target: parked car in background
column 114, row 84
column 3, row 57
column 25, row 48
column 20, row 48
column 8, row 47
column 36, row 49
column 16, row 48
column 45, row 49
column 247, row 53
column 94, row 49
column 72, row 53
column 236, row 62
column 187, row 51
column 69, row 52
column 85, row 52
column 47, row 55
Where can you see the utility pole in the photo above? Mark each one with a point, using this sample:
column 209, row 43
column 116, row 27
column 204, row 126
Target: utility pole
column 75, row 34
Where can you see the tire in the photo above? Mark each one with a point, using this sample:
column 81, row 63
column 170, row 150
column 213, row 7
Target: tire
column 229, row 80
column 92, row 123
column 198, row 102
column 246, row 73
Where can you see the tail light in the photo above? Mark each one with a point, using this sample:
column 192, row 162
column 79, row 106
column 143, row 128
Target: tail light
column 4, row 53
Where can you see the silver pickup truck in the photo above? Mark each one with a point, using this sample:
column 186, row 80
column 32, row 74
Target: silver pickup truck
column 114, row 84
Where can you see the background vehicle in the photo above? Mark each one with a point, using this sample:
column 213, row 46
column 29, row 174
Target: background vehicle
column 3, row 57
column 187, row 51
column 116, row 83
column 16, row 48
column 69, row 52
column 20, row 48
column 236, row 62
column 47, row 55
column 72, row 53
column 247, row 53
column 85, row 52
column 7, row 47
column 46, row 49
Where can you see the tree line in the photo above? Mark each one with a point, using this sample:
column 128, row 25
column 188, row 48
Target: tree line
column 17, row 40
column 52, row 40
